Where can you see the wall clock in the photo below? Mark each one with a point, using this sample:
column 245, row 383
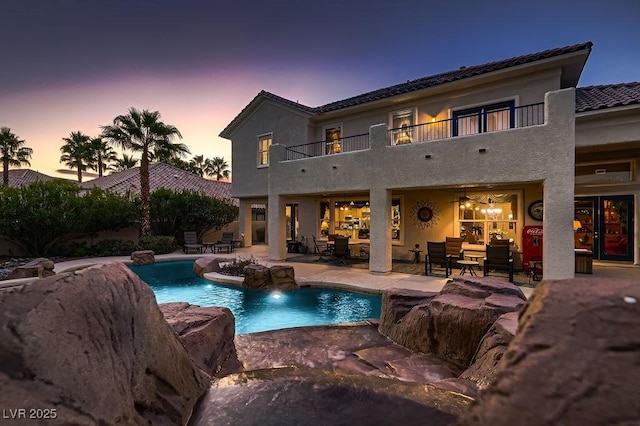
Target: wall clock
column 424, row 214
column 536, row 209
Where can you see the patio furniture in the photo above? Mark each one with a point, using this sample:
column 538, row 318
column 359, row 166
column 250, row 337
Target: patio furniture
column 454, row 248
column 437, row 253
column 498, row 258
column 321, row 249
column 467, row 265
column 191, row 242
column 341, row 251
column 225, row 243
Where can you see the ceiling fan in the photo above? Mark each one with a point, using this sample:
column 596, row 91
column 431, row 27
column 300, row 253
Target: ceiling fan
column 464, row 198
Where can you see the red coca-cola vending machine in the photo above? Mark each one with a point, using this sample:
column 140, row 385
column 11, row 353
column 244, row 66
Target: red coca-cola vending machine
column 532, row 248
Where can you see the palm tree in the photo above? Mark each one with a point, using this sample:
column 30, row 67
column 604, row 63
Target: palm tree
column 142, row 131
column 76, row 152
column 124, row 163
column 101, row 155
column 197, row 165
column 12, row 152
column 217, row 167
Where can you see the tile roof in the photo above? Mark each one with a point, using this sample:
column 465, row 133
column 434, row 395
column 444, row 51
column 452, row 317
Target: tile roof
column 163, row 175
column 594, row 98
column 446, row 77
column 24, row 177
column 413, row 85
column 269, row 95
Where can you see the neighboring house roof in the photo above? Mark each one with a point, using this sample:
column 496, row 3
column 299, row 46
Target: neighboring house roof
column 162, row 175
column 410, row 86
column 594, row 98
column 24, row 177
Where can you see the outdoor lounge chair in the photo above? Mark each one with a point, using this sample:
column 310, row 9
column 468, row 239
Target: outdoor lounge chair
column 437, row 253
column 498, row 258
column 226, row 242
column 191, row 242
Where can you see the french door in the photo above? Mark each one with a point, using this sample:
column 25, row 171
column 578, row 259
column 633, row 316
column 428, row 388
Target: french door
column 604, row 225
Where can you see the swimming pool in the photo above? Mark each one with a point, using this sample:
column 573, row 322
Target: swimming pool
column 257, row 310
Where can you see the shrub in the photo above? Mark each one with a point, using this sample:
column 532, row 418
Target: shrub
column 172, row 213
column 49, row 214
column 160, row 244
column 236, row 267
column 115, row 247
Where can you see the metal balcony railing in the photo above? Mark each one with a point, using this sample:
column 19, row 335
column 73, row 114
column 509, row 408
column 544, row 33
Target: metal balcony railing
column 481, row 122
column 316, row 149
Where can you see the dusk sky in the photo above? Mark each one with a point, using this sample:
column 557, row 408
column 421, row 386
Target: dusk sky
column 73, row 65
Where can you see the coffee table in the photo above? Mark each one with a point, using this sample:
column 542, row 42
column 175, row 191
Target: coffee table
column 467, row 265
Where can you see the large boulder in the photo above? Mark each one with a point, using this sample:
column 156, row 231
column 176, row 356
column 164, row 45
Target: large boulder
column 256, row 276
column 452, row 324
column 205, row 265
column 397, row 302
column 491, row 350
column 278, row 277
column 283, row 278
column 574, row 360
column 40, row 267
column 207, row 334
column 143, row 257
column 93, row 345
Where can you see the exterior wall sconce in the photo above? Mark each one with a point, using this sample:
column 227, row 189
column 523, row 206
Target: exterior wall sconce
column 482, row 150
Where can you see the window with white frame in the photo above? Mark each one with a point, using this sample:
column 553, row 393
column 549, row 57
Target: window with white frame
column 402, row 130
column 484, row 217
column 264, row 142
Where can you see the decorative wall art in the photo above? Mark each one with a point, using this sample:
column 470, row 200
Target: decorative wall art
column 425, row 214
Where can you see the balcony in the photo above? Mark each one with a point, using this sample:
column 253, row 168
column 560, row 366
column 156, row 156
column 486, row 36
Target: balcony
column 461, row 125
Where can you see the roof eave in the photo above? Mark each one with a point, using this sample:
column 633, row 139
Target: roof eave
column 252, row 106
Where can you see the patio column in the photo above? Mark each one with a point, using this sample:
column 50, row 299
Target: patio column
column 277, row 228
column 380, row 233
column 308, row 219
column 245, row 224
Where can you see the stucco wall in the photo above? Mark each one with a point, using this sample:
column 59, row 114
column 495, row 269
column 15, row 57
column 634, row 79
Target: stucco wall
column 289, row 127
column 539, row 154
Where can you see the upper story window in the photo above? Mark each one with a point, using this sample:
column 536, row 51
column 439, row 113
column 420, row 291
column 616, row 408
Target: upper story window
column 487, row 118
column 402, row 130
column 264, row 142
column 333, row 139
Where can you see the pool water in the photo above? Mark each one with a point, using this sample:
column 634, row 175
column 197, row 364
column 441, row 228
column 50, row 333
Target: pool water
column 257, row 310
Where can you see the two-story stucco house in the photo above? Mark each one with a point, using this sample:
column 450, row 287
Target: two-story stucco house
column 483, row 152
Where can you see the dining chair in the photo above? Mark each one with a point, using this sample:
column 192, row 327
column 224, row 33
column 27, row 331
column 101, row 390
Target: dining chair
column 498, row 258
column 437, row 253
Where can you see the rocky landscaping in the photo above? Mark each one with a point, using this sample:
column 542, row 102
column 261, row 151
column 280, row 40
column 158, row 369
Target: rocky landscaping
column 94, row 346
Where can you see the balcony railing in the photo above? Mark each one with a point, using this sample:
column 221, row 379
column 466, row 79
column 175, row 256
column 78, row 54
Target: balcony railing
column 481, row 122
column 316, row 149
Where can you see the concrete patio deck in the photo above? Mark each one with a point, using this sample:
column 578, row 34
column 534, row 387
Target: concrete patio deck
column 359, row 279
